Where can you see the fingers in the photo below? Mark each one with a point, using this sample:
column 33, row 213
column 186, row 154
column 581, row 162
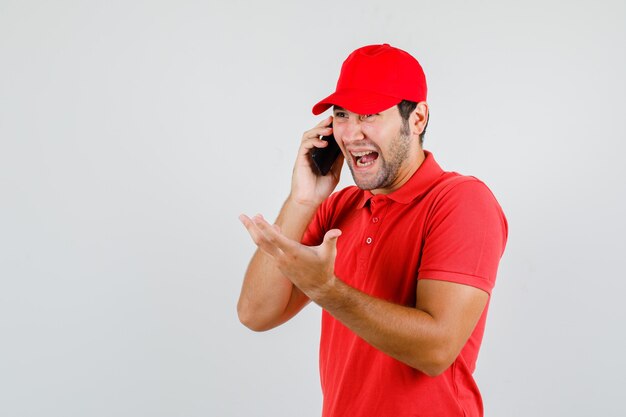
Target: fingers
column 273, row 235
column 331, row 236
column 259, row 236
column 266, row 236
column 311, row 138
column 325, row 122
column 320, row 129
column 330, row 241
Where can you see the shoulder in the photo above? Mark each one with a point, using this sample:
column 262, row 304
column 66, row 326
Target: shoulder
column 346, row 197
column 456, row 189
column 466, row 204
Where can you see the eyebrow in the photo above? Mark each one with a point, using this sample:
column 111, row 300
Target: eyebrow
column 338, row 108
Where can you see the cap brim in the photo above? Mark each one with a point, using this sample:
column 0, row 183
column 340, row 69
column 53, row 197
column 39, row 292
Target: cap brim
column 357, row 101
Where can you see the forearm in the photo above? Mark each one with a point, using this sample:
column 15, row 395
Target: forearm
column 267, row 297
column 405, row 333
column 428, row 336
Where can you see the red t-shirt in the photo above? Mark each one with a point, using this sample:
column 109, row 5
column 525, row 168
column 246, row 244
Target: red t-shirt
column 439, row 225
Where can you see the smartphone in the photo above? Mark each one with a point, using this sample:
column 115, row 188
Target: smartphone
column 324, row 158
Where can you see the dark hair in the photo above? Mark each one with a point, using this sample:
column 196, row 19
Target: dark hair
column 406, row 108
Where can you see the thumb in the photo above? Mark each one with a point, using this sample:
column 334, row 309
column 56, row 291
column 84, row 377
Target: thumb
column 330, row 239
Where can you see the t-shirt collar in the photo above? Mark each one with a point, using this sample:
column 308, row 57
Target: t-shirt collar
column 416, row 186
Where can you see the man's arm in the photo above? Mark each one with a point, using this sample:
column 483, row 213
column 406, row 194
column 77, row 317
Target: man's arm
column 428, row 337
column 268, row 298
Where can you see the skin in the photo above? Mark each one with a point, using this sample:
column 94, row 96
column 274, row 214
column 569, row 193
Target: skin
column 284, row 275
column 398, row 158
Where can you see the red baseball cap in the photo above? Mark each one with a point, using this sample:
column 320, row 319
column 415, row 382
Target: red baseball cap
column 374, row 78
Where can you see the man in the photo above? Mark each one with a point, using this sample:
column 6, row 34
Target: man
column 402, row 265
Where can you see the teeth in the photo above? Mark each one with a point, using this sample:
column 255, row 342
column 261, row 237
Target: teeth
column 359, row 154
column 361, row 164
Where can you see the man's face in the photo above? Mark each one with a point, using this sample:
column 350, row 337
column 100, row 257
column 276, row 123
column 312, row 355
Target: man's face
column 377, row 147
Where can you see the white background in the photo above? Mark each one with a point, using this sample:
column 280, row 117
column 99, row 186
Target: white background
column 132, row 135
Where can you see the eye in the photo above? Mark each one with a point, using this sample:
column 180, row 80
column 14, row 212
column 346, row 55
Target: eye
column 367, row 117
column 341, row 114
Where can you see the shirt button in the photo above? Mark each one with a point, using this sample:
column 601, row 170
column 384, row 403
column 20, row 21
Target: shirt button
column 368, row 240
column 375, row 220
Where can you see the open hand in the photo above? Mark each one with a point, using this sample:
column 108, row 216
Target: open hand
column 310, row 268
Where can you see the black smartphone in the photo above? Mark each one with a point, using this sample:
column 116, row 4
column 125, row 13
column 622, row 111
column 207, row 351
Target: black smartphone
column 323, row 158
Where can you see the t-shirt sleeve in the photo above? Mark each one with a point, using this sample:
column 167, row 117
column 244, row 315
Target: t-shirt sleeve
column 314, row 233
column 465, row 236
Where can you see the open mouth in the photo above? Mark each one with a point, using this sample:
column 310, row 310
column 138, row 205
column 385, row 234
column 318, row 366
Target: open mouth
column 363, row 159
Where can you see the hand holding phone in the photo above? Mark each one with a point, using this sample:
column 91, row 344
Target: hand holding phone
column 324, row 158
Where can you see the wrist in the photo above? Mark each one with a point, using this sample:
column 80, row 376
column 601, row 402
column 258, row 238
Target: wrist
column 302, row 205
column 328, row 296
column 294, row 217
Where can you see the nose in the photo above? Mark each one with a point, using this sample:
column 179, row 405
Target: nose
column 352, row 130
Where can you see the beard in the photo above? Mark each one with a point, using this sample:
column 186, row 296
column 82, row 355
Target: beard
column 389, row 164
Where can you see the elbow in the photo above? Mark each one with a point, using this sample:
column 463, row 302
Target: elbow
column 247, row 317
column 247, row 321
column 252, row 325
column 435, row 369
column 437, row 362
column 250, row 318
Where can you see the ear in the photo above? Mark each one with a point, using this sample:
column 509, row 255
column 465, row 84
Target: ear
column 420, row 118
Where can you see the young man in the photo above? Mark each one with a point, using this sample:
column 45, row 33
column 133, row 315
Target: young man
column 403, row 264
